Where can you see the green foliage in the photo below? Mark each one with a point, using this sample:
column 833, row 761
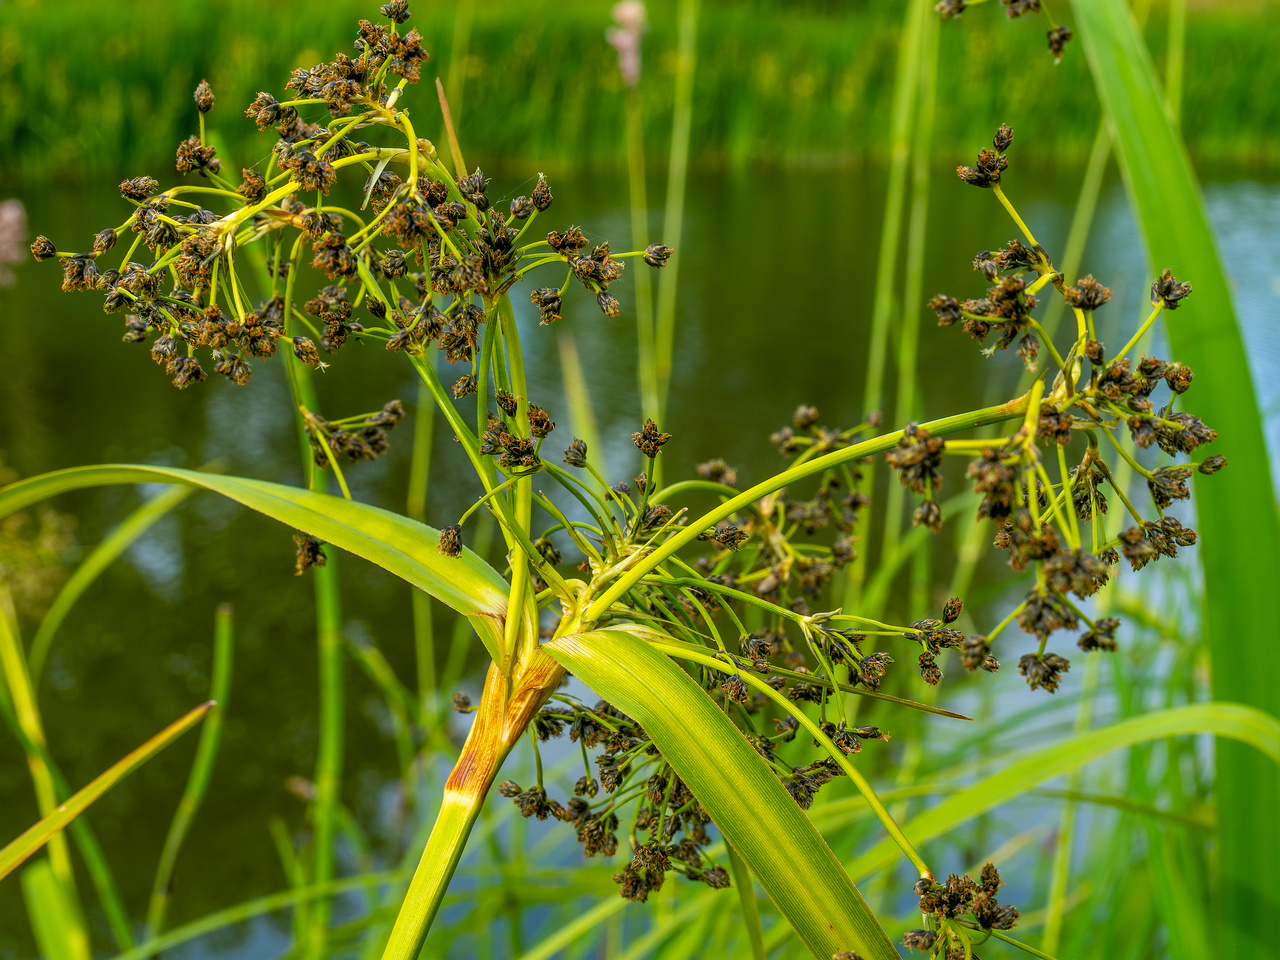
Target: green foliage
column 1240, row 582
column 403, row 546
column 53, row 917
column 705, row 766
column 105, row 86
column 1253, row 727
column 38, row 835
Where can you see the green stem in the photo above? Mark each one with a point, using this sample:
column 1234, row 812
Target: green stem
column 673, row 217
column 504, row 713
column 1026, row 231
column 329, row 644
column 1061, row 870
column 521, row 589
column 201, row 771
column 416, row 508
column 26, row 709
column 1010, row 410
column 913, row 281
column 1024, row 947
column 904, row 99
column 647, row 365
column 1146, row 325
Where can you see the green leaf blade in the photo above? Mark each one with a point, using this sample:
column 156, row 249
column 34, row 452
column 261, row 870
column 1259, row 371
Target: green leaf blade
column 1235, row 505
column 37, row 835
column 1259, row 731
column 404, row 547
column 791, row 860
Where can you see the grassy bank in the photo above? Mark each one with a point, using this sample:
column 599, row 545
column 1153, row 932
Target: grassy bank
column 88, row 87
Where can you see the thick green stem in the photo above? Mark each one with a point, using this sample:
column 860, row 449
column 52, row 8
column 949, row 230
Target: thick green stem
column 506, row 707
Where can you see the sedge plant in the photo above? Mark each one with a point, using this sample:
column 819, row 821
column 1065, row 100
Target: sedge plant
column 694, row 609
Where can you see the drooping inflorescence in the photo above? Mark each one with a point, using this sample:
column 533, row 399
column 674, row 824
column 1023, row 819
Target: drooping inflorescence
column 1048, row 504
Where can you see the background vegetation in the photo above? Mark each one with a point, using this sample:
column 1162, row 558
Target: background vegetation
column 1120, row 831
column 100, row 86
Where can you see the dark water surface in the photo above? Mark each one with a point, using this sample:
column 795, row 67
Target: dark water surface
column 777, row 280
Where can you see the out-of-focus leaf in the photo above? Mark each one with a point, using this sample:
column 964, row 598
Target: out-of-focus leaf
column 38, row 834
column 53, row 918
column 1238, row 521
column 1245, row 724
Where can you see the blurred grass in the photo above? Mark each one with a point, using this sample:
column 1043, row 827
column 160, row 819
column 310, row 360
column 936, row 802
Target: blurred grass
column 90, row 87
column 1238, row 582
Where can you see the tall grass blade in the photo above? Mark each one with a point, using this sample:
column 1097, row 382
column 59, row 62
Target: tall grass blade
column 1244, row 724
column 1239, row 583
column 677, row 175
column 95, row 861
column 793, row 863
column 581, row 412
column 905, row 84
column 646, row 360
column 21, row 697
column 40, row 833
column 568, row 934
column 399, row 545
column 330, row 749
column 53, row 919
column 201, row 770
column 907, row 328
column 101, row 557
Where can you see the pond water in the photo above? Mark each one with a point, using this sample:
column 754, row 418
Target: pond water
column 776, row 287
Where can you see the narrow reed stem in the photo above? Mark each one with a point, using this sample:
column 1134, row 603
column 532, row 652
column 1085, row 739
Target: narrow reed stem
column 201, row 772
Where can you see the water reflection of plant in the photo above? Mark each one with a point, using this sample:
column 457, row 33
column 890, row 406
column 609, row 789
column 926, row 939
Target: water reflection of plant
column 739, row 610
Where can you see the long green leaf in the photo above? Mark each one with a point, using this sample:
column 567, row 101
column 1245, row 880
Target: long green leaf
column 52, row 915
column 37, row 835
column 102, row 556
column 402, row 546
column 791, row 860
column 1233, row 720
column 1240, row 582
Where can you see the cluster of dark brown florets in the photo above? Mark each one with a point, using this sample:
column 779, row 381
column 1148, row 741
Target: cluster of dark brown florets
column 362, row 437
column 1058, row 34
column 428, row 265
column 957, row 910
column 629, row 771
column 1042, row 523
